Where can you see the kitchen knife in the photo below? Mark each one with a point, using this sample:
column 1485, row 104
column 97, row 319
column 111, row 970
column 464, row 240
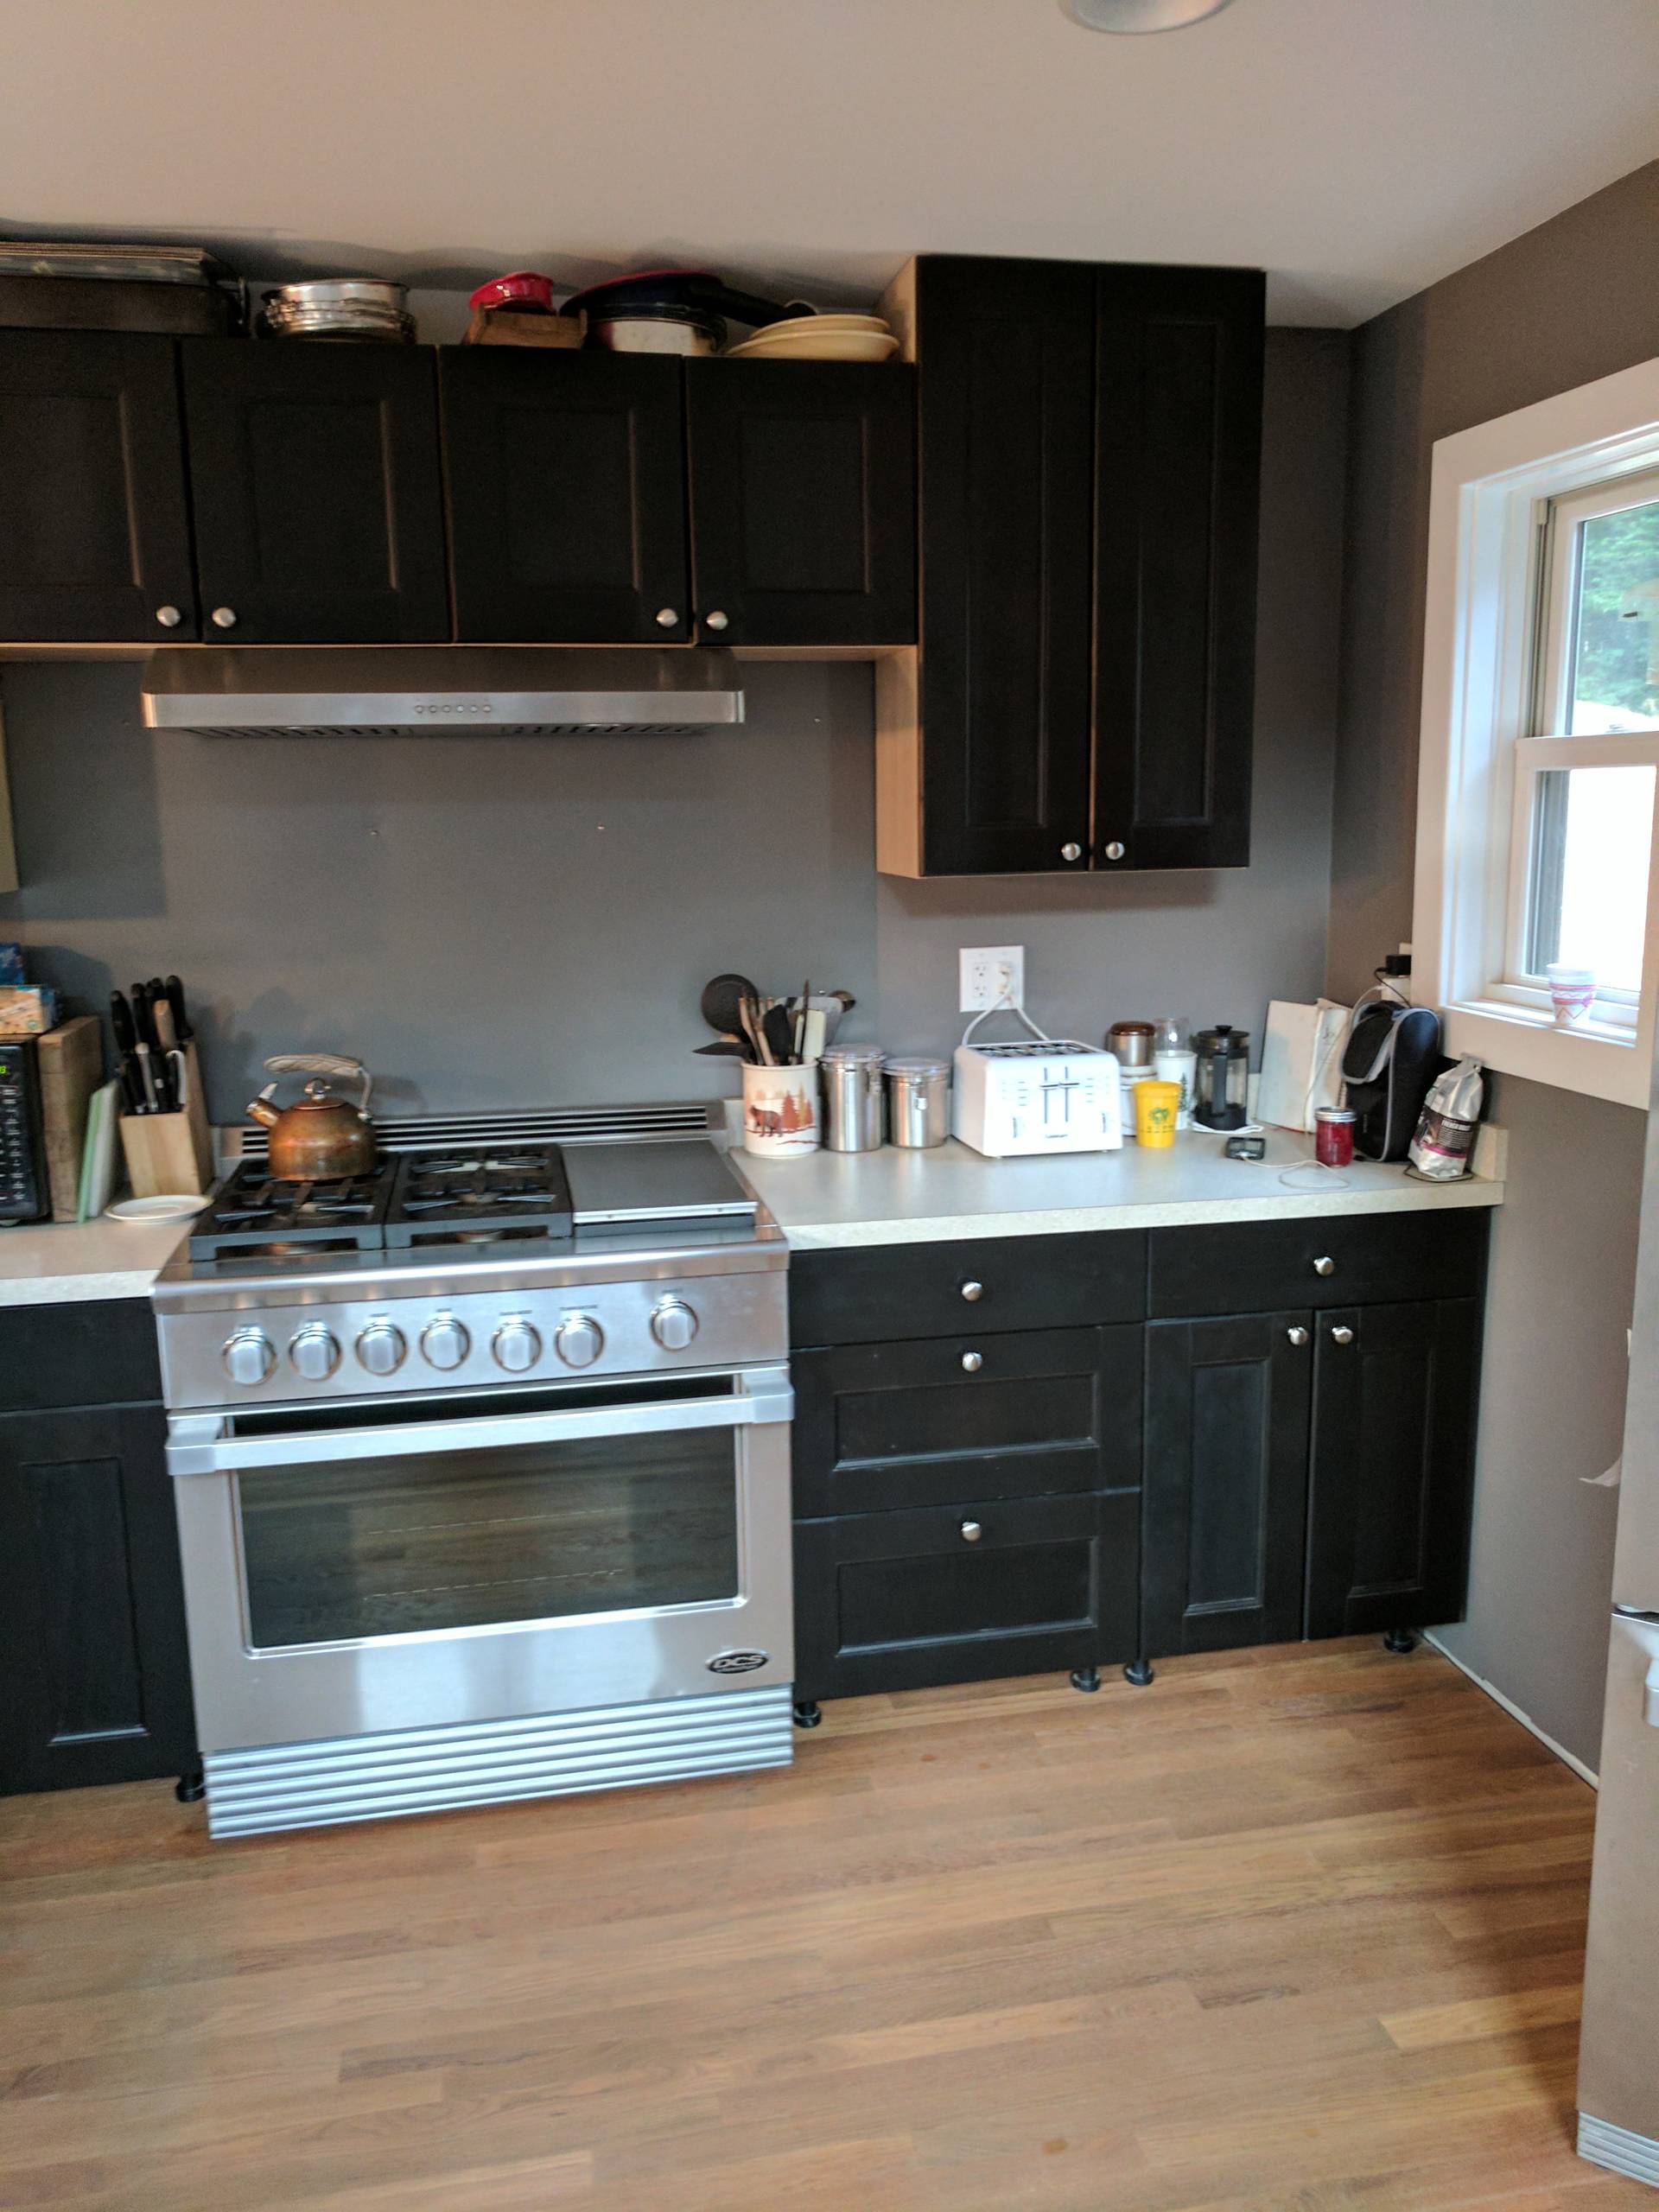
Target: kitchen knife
column 146, row 1079
column 121, row 1021
column 141, row 1016
column 174, row 990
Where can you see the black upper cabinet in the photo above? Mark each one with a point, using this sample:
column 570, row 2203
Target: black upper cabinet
column 803, row 501
column 92, row 1633
column 567, row 497
column 94, row 536
column 1007, row 436
column 317, row 494
column 1090, row 455
column 1224, row 1507
column 1177, row 478
column 1393, row 1434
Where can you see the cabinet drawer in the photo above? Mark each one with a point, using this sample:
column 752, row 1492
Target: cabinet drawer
column 92, row 1352
column 1260, row 1266
column 895, row 1601
column 891, row 1291
column 884, row 1425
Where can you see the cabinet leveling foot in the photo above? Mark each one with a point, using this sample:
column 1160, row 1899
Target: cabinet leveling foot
column 190, row 1789
column 1085, row 1678
column 1399, row 1639
column 808, row 1714
column 1138, row 1671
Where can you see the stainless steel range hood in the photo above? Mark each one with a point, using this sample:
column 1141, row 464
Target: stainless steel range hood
column 436, row 691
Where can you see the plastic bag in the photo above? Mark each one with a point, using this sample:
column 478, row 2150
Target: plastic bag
column 1445, row 1128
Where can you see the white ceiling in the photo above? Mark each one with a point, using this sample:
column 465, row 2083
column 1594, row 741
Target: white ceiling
column 1358, row 148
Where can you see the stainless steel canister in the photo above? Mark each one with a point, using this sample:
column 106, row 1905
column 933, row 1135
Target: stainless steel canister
column 918, row 1101
column 855, row 1104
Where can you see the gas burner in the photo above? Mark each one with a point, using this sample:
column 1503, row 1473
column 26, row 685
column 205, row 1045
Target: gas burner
column 257, row 1215
column 515, row 1191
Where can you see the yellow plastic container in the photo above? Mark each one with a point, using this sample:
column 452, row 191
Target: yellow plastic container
column 1156, row 1105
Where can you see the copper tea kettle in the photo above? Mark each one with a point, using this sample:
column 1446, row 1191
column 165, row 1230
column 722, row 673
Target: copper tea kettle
column 320, row 1137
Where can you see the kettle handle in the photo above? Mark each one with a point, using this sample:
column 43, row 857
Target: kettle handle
column 337, row 1064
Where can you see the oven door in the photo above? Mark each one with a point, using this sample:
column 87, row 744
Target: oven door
column 352, row 1569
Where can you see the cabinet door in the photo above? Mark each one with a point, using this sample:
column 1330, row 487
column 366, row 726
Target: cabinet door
column 317, row 494
column 566, row 476
column 94, row 535
column 881, row 1426
column 92, row 1633
column 803, row 501
column 1225, row 1499
column 959, row 1593
column 1179, row 463
column 1007, row 441
column 1393, row 1432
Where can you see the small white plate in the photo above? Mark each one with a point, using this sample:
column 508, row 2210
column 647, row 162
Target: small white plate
column 166, row 1207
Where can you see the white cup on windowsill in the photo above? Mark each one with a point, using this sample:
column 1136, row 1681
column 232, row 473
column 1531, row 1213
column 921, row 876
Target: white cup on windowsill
column 1571, row 992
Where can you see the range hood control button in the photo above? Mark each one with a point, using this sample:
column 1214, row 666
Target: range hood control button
column 673, row 1323
column 516, row 1346
column 579, row 1341
column 313, row 1353
column 249, row 1356
column 380, row 1348
column 444, row 1342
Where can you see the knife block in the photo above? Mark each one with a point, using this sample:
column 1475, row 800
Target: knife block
column 170, row 1153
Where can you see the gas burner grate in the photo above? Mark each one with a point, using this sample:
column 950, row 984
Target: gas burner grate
column 255, row 1215
column 463, row 1195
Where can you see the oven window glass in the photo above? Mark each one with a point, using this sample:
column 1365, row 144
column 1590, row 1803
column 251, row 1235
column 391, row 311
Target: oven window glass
column 364, row 1547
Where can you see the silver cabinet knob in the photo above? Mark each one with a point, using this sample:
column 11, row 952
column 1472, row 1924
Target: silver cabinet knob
column 1071, row 852
column 1324, row 1267
column 248, row 1357
column 972, row 1361
column 579, row 1341
column 1340, row 1335
column 1298, row 1337
column 313, row 1353
column 1114, row 851
column 516, row 1346
column 169, row 617
column 971, row 1532
column 380, row 1348
column 225, row 618
column 668, row 617
column 673, row 1324
column 973, row 1291
column 444, row 1342
column 714, row 619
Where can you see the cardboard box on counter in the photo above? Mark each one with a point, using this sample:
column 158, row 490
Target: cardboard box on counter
column 28, row 1009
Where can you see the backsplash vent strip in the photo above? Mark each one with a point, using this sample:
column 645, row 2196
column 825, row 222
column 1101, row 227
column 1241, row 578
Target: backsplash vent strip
column 535, row 1125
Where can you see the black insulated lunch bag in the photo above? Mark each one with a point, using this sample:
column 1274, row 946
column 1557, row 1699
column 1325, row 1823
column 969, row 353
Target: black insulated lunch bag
column 1392, row 1054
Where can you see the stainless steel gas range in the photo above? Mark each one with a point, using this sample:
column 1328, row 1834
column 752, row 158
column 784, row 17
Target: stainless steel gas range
column 482, row 1472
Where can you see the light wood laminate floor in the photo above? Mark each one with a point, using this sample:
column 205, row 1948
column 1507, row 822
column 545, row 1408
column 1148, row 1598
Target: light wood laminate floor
column 1293, row 1929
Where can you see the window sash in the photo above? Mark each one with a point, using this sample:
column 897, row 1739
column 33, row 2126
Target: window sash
column 1560, row 523
column 1531, row 757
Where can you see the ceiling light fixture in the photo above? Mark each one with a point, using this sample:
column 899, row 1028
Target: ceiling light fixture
column 1140, row 14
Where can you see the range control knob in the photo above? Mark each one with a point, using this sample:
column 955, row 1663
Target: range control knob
column 249, row 1356
column 579, row 1340
column 313, row 1352
column 444, row 1342
column 516, row 1346
column 380, row 1348
column 673, row 1323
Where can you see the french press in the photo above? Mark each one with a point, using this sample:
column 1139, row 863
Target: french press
column 1221, row 1078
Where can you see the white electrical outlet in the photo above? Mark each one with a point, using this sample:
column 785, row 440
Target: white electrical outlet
column 992, row 974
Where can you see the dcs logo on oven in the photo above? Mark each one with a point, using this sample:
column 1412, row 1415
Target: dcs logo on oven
column 737, row 1662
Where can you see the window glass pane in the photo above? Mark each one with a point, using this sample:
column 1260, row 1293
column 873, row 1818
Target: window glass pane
column 1616, row 641
column 1592, row 830
column 524, row 1532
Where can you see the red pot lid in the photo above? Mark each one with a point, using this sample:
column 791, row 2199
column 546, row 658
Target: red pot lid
column 523, row 284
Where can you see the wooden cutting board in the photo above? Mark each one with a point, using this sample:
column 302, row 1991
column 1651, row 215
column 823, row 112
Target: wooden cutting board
column 71, row 1061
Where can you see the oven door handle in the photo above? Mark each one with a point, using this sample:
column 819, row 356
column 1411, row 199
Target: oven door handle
column 198, row 1443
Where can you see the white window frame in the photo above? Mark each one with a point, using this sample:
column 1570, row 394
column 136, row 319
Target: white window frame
column 1490, row 492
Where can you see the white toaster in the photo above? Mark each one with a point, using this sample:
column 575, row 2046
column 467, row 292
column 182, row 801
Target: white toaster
column 1040, row 1095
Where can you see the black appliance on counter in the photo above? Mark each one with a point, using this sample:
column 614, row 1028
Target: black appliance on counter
column 1392, row 1054
column 25, row 1193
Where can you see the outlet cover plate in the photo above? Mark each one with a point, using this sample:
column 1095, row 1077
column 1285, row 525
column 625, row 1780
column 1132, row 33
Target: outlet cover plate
column 986, row 969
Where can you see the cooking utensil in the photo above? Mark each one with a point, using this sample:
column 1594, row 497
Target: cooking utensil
column 658, row 330
column 722, row 1003
column 677, row 288
column 181, row 1028
column 779, row 1033
column 802, row 1011
column 343, row 307
column 724, row 1048
column 320, row 1137
column 755, row 1030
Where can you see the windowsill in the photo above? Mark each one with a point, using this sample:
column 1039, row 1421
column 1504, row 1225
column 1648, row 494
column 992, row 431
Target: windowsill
column 1598, row 1058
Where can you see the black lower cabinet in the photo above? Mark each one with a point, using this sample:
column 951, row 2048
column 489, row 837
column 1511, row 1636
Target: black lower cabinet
column 956, row 1593
column 1226, row 1481
column 1393, row 1466
column 91, row 1632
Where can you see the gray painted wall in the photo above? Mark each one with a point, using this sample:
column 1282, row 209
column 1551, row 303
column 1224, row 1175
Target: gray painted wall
column 498, row 921
column 1573, row 299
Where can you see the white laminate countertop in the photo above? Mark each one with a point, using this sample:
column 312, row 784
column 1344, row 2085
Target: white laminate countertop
column 827, row 1199
column 55, row 1263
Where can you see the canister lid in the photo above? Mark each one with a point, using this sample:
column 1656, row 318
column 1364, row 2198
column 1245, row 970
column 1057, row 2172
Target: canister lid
column 911, row 1067
column 1335, row 1113
column 1223, row 1039
column 850, row 1055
